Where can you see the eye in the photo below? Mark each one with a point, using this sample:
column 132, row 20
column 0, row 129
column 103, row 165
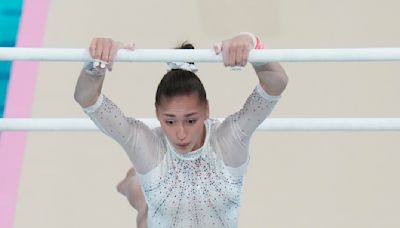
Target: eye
column 169, row 122
column 191, row 121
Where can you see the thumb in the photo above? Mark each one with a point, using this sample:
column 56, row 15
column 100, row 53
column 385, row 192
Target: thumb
column 114, row 51
column 129, row 45
column 217, row 48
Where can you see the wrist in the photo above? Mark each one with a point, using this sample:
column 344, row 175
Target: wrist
column 257, row 44
column 93, row 70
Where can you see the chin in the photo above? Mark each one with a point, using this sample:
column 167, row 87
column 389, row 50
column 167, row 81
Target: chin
column 183, row 150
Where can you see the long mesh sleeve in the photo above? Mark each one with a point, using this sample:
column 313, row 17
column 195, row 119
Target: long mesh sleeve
column 233, row 134
column 142, row 144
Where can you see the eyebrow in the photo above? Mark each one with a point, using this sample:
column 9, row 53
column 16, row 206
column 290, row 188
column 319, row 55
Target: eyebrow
column 186, row 115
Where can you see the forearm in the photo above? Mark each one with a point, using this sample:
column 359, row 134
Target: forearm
column 88, row 88
column 272, row 78
column 90, row 81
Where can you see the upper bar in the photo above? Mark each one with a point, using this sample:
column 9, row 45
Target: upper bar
column 205, row 55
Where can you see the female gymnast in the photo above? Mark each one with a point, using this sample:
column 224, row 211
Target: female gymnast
column 189, row 171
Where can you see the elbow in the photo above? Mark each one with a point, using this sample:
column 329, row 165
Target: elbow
column 281, row 81
column 282, row 84
column 273, row 78
column 284, row 81
column 78, row 98
column 276, row 86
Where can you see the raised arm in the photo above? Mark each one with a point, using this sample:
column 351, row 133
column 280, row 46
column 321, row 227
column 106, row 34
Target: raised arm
column 127, row 131
column 88, row 91
column 235, row 132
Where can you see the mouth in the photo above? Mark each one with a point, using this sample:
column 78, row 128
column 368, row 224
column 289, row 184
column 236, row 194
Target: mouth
column 182, row 145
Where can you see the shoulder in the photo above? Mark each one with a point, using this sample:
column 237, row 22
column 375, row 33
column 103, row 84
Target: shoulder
column 144, row 131
column 213, row 124
column 158, row 132
column 219, row 128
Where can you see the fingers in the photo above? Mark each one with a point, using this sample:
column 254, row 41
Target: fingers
column 245, row 54
column 104, row 51
column 100, row 49
column 112, row 55
column 228, row 52
column 92, row 47
column 240, row 58
column 107, row 47
column 130, row 46
column 217, row 48
column 235, row 54
column 225, row 54
column 114, row 51
column 232, row 54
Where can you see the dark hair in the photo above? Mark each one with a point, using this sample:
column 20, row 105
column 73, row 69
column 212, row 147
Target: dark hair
column 178, row 82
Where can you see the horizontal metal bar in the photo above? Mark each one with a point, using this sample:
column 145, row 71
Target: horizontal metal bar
column 205, row 55
column 272, row 124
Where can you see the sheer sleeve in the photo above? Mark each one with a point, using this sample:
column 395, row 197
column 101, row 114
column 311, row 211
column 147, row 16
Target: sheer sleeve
column 143, row 145
column 234, row 133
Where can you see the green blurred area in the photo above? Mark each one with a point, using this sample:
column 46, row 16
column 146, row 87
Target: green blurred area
column 10, row 14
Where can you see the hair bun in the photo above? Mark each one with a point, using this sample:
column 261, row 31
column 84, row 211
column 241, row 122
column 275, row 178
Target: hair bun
column 186, row 45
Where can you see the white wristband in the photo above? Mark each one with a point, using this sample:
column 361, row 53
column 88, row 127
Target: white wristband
column 95, row 68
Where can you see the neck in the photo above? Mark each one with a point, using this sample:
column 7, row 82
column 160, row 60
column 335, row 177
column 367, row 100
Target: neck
column 202, row 139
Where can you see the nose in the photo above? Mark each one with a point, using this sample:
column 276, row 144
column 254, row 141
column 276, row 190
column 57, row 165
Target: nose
column 181, row 132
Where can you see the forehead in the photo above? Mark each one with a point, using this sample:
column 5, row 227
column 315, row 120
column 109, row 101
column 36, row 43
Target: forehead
column 181, row 104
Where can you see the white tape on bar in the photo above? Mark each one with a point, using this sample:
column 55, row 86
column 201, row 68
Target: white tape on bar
column 206, row 55
column 273, row 124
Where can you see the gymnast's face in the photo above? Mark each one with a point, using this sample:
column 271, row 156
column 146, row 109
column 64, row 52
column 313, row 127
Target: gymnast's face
column 182, row 120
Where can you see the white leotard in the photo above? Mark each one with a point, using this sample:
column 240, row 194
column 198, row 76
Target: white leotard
column 198, row 189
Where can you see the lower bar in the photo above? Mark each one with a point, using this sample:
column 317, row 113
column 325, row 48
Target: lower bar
column 272, row 124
